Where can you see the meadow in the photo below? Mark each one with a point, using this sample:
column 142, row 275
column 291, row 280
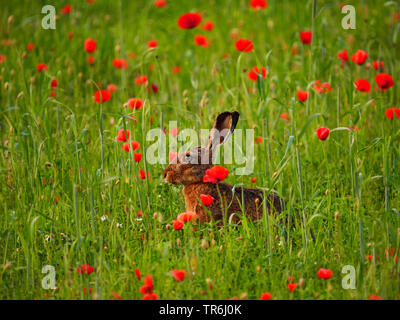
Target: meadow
column 78, row 196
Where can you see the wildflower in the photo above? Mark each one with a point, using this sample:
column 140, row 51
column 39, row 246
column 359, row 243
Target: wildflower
column 324, row 273
column 244, row 45
column 118, row 297
column 178, row 225
column 384, row 81
column 377, row 65
column 135, row 103
column 254, row 73
column 266, row 296
column 160, row 3
column 208, row 26
column 186, row 216
column 123, row 135
column 179, row 275
column 152, row 44
column 201, row 41
column 141, row 80
column 322, row 87
column 362, row 85
column 343, row 56
column 137, row 272
column 101, row 96
column 66, row 9
column 41, row 66
column 258, row 4
column 90, row 45
column 292, row 286
column 85, row 268
column 189, row 20
column 302, row 95
column 215, row 174
column 374, row 297
column 206, row 199
column 137, row 157
column 306, row 36
column 120, row 63
column 359, row 57
column 322, row 133
column 30, row 47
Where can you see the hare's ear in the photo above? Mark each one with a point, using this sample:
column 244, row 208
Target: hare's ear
column 223, row 127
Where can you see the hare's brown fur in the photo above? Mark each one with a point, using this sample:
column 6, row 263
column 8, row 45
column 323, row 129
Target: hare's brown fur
column 190, row 169
column 247, row 200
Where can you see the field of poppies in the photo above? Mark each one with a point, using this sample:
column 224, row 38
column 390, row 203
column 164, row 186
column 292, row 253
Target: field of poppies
column 86, row 214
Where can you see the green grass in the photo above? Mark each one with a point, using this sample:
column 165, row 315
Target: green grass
column 69, row 141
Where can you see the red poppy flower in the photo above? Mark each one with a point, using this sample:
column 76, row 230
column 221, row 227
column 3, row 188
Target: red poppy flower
column 374, row 297
column 306, row 36
column 122, row 136
column 101, row 96
column 292, row 286
column 142, row 174
column 141, row 80
column 362, row 85
column 244, row 45
column 266, row 296
column 343, row 55
column 85, row 269
column 324, row 273
column 321, row 87
column 215, row 174
column 389, row 113
column 90, row 60
column 54, row 83
column 112, row 88
column 137, row 272
column 179, row 275
column 189, row 20
column 160, row 3
column 254, row 180
column 152, row 44
column 201, row 41
column 126, row 146
column 206, row 199
column 208, row 26
column 176, row 69
column 150, row 296
column 118, row 297
column 186, row 217
column 90, row 45
column 135, row 103
column 384, row 81
column 285, row 116
column 303, row 95
column 120, row 63
column 30, row 47
column 148, row 286
column 85, row 291
column 258, row 140
column 258, row 4
column 178, row 225
column 359, row 57
column 322, row 133
column 137, row 157
column 41, row 66
column 2, row 58
column 254, row 72
column 66, row 9
column 154, row 88
column 377, row 65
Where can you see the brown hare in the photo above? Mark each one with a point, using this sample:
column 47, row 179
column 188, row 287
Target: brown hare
column 190, row 168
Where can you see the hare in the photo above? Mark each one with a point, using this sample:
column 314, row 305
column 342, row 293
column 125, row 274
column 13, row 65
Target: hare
column 190, row 168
